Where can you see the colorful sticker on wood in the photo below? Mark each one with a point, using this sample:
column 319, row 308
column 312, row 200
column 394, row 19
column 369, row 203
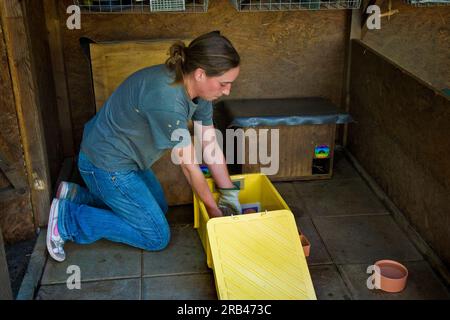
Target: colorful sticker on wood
column 322, row 152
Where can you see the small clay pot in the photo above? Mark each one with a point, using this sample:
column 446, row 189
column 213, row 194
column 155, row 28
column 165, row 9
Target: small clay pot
column 393, row 275
column 305, row 244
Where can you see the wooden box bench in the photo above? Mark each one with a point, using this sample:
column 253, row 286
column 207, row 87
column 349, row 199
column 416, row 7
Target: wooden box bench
column 306, row 133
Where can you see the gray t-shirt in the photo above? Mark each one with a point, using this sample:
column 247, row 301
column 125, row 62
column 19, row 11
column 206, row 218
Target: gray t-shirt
column 134, row 127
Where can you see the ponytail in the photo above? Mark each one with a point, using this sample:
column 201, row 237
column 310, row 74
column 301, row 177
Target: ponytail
column 212, row 52
column 176, row 60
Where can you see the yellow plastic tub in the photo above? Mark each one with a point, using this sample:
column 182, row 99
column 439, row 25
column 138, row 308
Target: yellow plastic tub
column 258, row 256
column 254, row 187
column 255, row 255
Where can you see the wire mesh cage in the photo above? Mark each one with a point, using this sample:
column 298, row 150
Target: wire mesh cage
column 141, row 6
column 428, row 3
column 167, row 5
column 287, row 5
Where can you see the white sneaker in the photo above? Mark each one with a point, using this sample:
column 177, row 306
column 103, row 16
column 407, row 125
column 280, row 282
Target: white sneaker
column 66, row 190
column 55, row 245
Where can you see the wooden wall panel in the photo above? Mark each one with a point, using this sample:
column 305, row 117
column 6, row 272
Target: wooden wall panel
column 418, row 39
column 284, row 54
column 24, row 79
column 10, row 142
column 112, row 63
column 401, row 137
column 59, row 75
column 16, row 216
column 42, row 68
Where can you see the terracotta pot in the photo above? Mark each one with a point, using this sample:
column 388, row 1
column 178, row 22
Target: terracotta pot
column 393, row 275
column 305, row 244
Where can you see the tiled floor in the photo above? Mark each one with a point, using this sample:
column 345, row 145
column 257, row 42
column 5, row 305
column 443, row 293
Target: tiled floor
column 348, row 227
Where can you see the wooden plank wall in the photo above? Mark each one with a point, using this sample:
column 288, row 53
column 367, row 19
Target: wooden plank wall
column 401, row 137
column 416, row 38
column 42, row 69
column 284, row 54
column 16, row 216
column 33, row 96
column 59, row 75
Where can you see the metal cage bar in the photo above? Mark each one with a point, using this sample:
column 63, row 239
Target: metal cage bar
column 141, row 6
column 428, row 3
column 289, row 5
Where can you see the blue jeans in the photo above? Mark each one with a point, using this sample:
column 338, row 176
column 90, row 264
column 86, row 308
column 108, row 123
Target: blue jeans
column 122, row 206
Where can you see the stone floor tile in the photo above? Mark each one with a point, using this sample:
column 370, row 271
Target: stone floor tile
column 338, row 197
column 180, row 287
column 422, row 283
column 364, row 239
column 318, row 252
column 287, row 192
column 98, row 261
column 328, row 283
column 342, row 168
column 184, row 254
column 121, row 289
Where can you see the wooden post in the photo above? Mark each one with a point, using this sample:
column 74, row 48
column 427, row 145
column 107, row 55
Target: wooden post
column 355, row 33
column 5, row 283
column 59, row 75
column 27, row 107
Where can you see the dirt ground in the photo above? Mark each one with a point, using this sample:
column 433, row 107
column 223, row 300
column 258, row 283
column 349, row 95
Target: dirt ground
column 18, row 256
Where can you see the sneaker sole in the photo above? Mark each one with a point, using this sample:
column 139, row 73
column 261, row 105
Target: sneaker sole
column 53, row 207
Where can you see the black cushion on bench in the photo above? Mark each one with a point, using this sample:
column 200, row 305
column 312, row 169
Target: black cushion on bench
column 275, row 112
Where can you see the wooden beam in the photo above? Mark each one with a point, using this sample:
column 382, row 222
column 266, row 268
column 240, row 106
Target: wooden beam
column 12, row 170
column 354, row 33
column 27, row 107
column 59, row 76
column 15, row 177
column 11, row 153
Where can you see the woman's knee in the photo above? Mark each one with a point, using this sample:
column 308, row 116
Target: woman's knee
column 161, row 241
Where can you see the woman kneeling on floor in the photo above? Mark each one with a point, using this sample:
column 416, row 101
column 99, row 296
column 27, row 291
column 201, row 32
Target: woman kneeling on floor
column 124, row 201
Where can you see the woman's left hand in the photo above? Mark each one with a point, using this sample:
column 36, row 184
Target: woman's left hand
column 229, row 200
